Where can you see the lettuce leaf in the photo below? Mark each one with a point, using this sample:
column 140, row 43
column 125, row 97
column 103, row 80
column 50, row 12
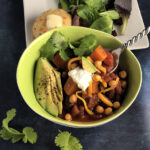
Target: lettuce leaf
column 113, row 14
column 104, row 24
column 88, row 14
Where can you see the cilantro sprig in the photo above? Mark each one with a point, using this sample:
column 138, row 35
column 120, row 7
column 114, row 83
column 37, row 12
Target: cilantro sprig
column 66, row 141
column 7, row 133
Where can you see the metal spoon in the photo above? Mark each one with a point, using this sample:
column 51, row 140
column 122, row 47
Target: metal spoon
column 127, row 44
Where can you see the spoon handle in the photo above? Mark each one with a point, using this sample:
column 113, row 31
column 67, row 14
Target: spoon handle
column 136, row 38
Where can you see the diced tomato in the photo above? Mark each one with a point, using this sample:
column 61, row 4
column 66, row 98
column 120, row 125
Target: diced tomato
column 109, row 59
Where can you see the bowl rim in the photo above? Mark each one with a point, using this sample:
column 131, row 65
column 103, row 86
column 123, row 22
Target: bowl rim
column 75, row 124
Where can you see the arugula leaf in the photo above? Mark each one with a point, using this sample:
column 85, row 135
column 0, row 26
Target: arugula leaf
column 87, row 45
column 53, row 45
column 66, row 141
column 88, row 14
column 113, row 14
column 104, row 24
column 7, row 133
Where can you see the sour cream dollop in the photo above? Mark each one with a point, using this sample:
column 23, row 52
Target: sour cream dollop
column 81, row 77
column 54, row 21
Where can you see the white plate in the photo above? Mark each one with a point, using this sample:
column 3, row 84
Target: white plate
column 33, row 8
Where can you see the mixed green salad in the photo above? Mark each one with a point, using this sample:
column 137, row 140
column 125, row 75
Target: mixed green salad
column 98, row 14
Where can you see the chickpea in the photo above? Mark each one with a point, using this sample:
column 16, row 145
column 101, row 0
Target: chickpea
column 97, row 77
column 116, row 104
column 74, row 65
column 112, row 83
column 108, row 111
column 64, row 74
column 98, row 64
column 123, row 74
column 68, row 117
column 123, row 84
column 99, row 109
column 73, row 99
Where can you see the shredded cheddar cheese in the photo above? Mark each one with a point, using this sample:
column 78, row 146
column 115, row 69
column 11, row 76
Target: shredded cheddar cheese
column 84, row 102
column 111, row 88
column 90, row 89
column 103, row 69
column 104, row 83
column 71, row 61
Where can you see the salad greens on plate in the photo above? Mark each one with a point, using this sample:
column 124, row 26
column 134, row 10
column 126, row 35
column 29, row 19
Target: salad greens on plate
column 98, row 14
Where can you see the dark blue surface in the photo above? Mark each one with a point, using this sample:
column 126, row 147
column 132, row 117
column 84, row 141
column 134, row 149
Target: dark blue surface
column 131, row 131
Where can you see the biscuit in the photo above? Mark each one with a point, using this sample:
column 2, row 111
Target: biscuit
column 39, row 26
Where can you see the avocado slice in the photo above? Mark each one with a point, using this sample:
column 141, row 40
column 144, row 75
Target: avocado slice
column 88, row 66
column 47, row 91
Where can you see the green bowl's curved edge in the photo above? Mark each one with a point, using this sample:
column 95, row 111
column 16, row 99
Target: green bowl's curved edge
column 72, row 123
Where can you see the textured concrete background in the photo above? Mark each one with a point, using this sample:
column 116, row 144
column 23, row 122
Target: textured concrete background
column 131, row 131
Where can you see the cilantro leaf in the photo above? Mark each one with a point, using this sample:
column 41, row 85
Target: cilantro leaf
column 48, row 50
column 56, row 43
column 66, row 141
column 7, row 133
column 58, row 40
column 64, row 54
column 30, row 135
column 87, row 45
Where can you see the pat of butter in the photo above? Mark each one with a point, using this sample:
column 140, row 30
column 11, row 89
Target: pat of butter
column 81, row 77
column 54, row 21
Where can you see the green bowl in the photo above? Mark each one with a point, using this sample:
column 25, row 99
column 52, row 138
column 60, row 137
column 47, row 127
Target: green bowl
column 25, row 73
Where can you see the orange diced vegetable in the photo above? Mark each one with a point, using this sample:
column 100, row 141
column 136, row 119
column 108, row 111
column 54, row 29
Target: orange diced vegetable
column 59, row 62
column 70, row 87
column 99, row 54
column 109, row 60
column 90, row 89
column 104, row 99
column 94, row 87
